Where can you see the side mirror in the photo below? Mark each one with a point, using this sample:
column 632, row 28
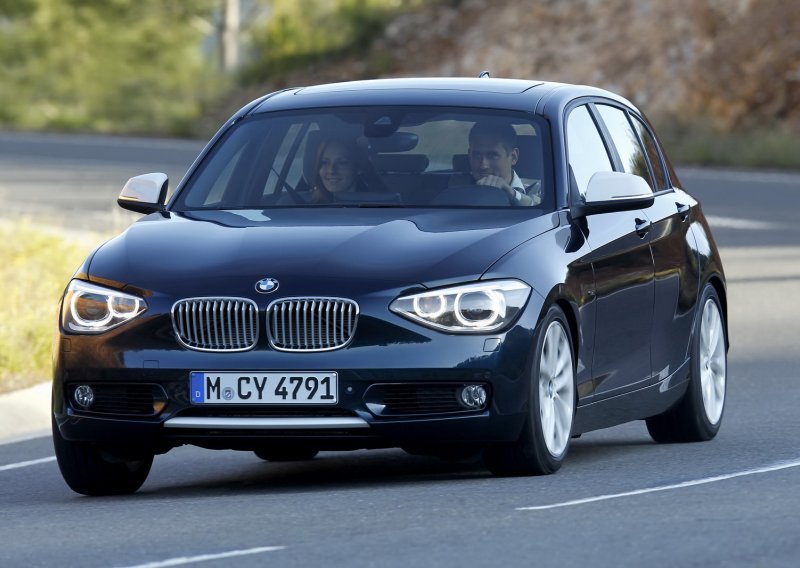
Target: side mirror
column 145, row 193
column 612, row 191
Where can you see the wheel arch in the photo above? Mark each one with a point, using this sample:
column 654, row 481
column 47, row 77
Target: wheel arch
column 572, row 322
column 559, row 296
column 716, row 281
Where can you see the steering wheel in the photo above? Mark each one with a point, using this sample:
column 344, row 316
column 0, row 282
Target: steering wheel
column 512, row 199
column 474, row 195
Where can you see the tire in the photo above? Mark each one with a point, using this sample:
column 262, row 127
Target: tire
column 89, row 470
column 545, row 438
column 287, row 454
column 698, row 415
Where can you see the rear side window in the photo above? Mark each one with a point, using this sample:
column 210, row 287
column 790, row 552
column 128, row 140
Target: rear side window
column 626, row 142
column 585, row 148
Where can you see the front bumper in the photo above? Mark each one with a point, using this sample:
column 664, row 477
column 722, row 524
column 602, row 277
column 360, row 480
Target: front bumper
column 501, row 365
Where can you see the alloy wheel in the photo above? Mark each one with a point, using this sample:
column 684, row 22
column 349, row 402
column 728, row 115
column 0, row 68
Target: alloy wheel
column 556, row 389
column 712, row 361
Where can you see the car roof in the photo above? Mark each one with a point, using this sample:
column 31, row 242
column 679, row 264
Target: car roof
column 509, row 94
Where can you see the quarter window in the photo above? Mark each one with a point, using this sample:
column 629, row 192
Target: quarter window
column 585, row 148
column 651, row 149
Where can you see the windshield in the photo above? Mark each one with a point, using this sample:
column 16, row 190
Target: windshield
column 376, row 157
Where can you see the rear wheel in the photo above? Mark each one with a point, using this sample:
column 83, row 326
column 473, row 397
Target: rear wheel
column 697, row 417
column 90, row 470
column 544, row 441
column 286, row 454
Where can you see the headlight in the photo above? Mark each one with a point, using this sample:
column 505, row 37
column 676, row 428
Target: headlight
column 474, row 308
column 89, row 308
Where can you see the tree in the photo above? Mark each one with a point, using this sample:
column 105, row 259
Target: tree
column 106, row 65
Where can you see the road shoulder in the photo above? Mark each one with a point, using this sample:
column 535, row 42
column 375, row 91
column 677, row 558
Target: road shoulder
column 25, row 413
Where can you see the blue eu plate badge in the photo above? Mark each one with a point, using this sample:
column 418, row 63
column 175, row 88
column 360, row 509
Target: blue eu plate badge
column 198, row 387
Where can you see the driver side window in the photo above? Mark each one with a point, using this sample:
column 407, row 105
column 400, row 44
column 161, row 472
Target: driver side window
column 586, row 151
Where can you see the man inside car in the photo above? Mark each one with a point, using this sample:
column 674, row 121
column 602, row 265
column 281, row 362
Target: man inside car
column 493, row 152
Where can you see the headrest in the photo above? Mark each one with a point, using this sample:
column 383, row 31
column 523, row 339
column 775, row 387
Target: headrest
column 529, row 165
column 531, row 162
column 461, row 163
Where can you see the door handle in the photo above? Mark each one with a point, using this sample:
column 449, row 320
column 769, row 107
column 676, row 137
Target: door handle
column 683, row 210
column 643, row 227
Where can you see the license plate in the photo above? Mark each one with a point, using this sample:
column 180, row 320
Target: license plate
column 252, row 387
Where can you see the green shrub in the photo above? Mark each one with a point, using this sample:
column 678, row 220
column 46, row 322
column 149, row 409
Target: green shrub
column 699, row 143
column 35, row 266
column 304, row 32
column 127, row 66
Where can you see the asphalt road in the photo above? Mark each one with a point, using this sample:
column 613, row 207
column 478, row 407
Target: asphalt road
column 620, row 499
column 73, row 181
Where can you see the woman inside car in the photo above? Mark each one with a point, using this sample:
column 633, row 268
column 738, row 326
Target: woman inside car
column 337, row 169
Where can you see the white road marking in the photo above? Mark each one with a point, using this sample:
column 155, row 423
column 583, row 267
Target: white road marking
column 746, row 224
column 5, row 440
column 26, row 463
column 775, row 467
column 206, row 557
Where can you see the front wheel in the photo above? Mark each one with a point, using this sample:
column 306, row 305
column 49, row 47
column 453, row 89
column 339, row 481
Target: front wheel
column 698, row 415
column 90, row 470
column 544, row 441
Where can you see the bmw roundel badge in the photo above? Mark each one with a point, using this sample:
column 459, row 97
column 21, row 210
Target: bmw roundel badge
column 266, row 286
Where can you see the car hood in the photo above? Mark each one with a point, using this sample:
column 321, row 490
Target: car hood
column 209, row 250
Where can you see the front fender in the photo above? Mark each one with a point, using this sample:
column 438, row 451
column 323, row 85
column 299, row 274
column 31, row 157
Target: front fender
column 552, row 264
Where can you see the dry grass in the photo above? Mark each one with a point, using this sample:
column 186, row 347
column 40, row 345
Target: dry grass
column 772, row 147
column 35, row 266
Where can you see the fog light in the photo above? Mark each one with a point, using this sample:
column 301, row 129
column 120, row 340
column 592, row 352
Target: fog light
column 473, row 396
column 83, row 396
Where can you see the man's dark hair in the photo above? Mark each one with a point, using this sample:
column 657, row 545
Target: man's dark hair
column 502, row 132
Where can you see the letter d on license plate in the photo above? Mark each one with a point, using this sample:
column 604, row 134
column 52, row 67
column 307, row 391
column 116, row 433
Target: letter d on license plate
column 257, row 387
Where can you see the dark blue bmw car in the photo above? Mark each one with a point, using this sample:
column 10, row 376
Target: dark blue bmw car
column 450, row 266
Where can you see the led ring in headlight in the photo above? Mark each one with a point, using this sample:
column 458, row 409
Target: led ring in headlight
column 83, row 306
column 105, row 308
column 480, row 307
column 430, row 306
column 89, row 308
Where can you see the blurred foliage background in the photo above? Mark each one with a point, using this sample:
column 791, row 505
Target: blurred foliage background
column 34, row 265
column 720, row 78
column 105, row 66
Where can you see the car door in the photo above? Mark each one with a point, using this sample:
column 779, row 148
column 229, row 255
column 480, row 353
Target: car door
column 671, row 241
column 623, row 271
